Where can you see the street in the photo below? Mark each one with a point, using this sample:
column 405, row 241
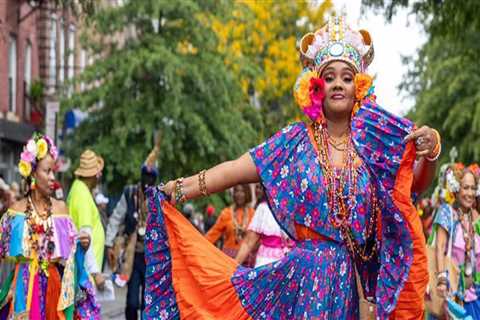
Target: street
column 115, row 309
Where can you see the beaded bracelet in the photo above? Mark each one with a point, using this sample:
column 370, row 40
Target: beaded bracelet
column 438, row 148
column 179, row 192
column 202, row 184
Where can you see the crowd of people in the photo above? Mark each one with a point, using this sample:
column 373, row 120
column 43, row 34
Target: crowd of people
column 110, row 242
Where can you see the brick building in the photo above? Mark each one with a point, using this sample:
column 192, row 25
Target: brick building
column 39, row 50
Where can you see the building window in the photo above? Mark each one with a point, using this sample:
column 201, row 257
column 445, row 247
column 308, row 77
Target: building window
column 71, row 52
column 53, row 53
column 61, row 51
column 27, row 82
column 12, row 74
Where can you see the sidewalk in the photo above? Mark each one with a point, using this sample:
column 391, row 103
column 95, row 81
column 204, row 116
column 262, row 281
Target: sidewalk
column 115, row 310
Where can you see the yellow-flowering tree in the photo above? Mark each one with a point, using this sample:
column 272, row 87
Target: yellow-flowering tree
column 267, row 32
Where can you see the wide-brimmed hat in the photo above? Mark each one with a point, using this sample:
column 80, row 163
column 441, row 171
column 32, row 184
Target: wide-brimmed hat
column 90, row 164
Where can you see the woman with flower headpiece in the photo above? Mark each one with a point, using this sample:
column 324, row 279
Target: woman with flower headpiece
column 456, row 234
column 39, row 241
column 340, row 186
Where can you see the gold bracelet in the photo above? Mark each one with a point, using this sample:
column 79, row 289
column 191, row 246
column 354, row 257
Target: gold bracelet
column 202, row 184
column 179, row 192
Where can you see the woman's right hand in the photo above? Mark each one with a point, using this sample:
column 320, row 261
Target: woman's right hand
column 442, row 290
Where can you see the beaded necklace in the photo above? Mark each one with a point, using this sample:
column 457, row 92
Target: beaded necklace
column 340, row 205
column 466, row 224
column 239, row 229
column 40, row 231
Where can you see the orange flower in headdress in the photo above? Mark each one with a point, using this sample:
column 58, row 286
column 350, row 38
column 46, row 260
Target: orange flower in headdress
column 363, row 82
column 475, row 169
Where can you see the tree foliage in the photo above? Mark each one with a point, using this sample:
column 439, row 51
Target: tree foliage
column 444, row 77
column 157, row 68
column 266, row 33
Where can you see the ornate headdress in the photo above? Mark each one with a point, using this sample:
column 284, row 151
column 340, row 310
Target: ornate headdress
column 333, row 42
column 337, row 42
column 35, row 150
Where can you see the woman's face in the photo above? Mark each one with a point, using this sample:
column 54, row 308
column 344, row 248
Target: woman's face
column 339, row 87
column 44, row 176
column 468, row 188
column 239, row 196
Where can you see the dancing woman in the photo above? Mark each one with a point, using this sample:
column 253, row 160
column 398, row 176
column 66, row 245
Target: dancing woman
column 340, row 186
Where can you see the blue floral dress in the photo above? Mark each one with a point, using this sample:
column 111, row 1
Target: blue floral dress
column 316, row 279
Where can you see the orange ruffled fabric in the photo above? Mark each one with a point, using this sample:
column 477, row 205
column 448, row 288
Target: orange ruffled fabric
column 411, row 304
column 201, row 273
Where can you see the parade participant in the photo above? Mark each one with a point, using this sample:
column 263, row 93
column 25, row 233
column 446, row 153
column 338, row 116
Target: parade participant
column 84, row 211
column 263, row 229
column 210, row 218
column 459, row 224
column 39, row 240
column 340, row 186
column 233, row 221
column 131, row 213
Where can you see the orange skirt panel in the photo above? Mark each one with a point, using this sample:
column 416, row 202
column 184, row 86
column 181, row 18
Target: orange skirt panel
column 201, row 273
column 411, row 301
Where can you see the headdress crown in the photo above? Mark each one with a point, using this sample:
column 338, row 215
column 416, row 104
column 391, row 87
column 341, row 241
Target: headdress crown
column 336, row 41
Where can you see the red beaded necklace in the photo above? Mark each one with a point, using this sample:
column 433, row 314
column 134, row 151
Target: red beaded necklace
column 340, row 205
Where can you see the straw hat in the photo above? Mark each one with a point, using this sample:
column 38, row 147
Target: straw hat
column 90, row 164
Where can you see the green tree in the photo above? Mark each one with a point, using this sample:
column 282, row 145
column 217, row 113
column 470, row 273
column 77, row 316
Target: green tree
column 157, row 68
column 444, row 77
column 266, row 32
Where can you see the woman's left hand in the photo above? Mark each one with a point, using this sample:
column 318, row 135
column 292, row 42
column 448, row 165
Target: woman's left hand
column 425, row 141
column 84, row 239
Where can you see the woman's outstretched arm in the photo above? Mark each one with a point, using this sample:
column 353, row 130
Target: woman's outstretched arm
column 218, row 178
column 248, row 244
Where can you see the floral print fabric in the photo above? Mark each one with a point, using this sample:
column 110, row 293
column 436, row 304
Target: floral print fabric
column 315, row 279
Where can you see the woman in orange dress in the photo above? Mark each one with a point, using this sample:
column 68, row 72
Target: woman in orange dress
column 233, row 221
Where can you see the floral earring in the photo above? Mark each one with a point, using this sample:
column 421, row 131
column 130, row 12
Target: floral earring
column 33, row 184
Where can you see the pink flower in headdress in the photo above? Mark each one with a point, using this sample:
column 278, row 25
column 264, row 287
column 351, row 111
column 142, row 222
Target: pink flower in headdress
column 27, row 156
column 309, row 93
column 53, row 151
column 317, row 91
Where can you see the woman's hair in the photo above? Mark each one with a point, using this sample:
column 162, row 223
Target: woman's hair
column 460, row 174
column 247, row 190
column 262, row 198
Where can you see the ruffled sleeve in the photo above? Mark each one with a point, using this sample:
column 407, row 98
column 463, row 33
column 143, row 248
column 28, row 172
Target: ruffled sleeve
column 276, row 161
column 264, row 223
column 443, row 217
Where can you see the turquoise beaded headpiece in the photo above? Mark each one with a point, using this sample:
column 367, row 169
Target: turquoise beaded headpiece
column 337, row 42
